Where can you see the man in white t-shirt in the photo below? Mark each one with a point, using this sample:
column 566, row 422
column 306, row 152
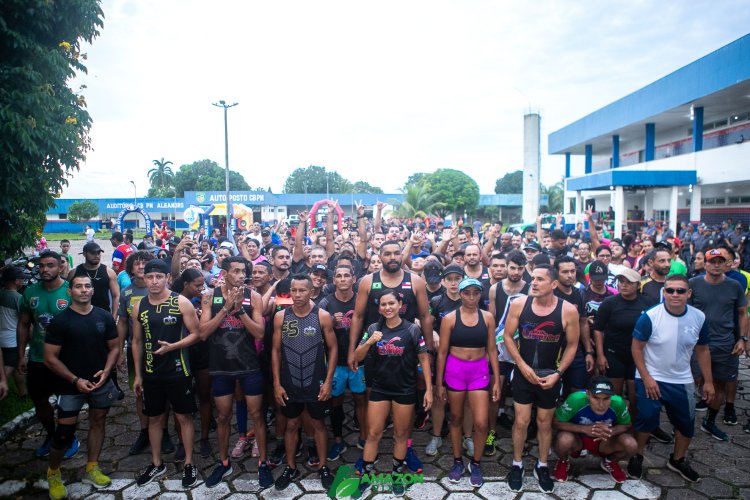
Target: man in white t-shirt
column 89, row 233
column 664, row 339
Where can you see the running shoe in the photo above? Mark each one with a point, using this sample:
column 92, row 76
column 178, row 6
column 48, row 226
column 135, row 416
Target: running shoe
column 336, row 450
column 546, row 485
column 476, row 479
column 218, row 474
column 96, row 478
column 515, row 478
column 469, row 446
column 746, row 427
column 561, row 470
column 140, row 444
column 43, row 450
column 205, row 448
column 420, row 422
column 240, row 447
column 489, row 444
column 151, row 473
column 167, row 446
column 635, row 467
column 412, row 461
column 313, row 460
column 713, row 430
column 397, row 489
column 278, row 456
column 614, row 470
column 730, row 416
column 255, row 452
column 361, row 443
column 265, row 478
column 701, row 405
column 359, row 466
column 189, row 476
column 57, row 489
column 682, row 467
column 72, row 449
column 326, row 478
column 454, row 475
column 433, row 446
column 286, row 478
column 355, row 422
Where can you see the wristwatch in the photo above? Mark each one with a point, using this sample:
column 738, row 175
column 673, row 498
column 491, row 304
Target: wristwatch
column 744, row 337
column 559, row 373
column 590, row 353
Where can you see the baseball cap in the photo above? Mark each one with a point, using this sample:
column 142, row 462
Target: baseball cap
column 265, row 232
column 598, row 270
column 600, row 385
column 630, row 274
column 714, row 254
column 433, row 272
column 156, row 266
column 453, row 269
column 574, row 234
column 458, row 252
column 92, row 247
column 319, row 268
column 467, row 282
column 532, row 245
column 226, row 244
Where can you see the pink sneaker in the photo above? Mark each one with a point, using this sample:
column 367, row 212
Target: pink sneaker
column 240, row 447
column 255, row 452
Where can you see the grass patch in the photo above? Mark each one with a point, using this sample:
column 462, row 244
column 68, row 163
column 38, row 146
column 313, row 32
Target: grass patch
column 12, row 405
column 100, row 235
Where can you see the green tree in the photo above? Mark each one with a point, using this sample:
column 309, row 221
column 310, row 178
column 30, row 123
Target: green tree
column 44, row 126
column 315, row 179
column 206, row 175
column 510, row 183
column 458, row 191
column 82, row 210
column 365, row 187
column 419, row 201
column 161, row 176
column 414, row 179
column 556, row 194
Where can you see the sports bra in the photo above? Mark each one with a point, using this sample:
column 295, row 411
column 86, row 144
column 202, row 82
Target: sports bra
column 469, row 336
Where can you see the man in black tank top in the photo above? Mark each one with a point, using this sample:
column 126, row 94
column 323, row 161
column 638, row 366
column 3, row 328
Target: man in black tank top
column 104, row 280
column 546, row 326
column 302, row 376
column 232, row 320
column 162, row 370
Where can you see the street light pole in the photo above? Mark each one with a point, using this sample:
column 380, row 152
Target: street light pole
column 223, row 104
column 135, row 194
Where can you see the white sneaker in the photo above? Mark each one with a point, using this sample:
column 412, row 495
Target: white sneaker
column 433, row 446
column 469, row 446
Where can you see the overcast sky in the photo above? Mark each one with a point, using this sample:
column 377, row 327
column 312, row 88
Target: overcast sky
column 373, row 90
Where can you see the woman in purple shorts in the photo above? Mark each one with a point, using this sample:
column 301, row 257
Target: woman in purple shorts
column 467, row 335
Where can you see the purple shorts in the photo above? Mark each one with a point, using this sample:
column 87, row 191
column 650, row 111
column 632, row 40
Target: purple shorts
column 463, row 375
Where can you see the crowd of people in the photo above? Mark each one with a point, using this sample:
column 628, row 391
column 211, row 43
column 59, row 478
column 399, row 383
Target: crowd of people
column 416, row 321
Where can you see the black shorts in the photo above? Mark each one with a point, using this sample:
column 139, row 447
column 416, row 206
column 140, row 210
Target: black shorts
column 524, row 392
column 179, row 393
column 576, row 375
column 621, row 364
column 506, row 368
column 10, row 357
column 318, row 410
column 199, row 356
column 402, row 399
column 41, row 381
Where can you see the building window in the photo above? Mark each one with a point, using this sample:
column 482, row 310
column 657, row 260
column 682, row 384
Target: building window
column 744, row 199
column 738, row 117
column 63, row 216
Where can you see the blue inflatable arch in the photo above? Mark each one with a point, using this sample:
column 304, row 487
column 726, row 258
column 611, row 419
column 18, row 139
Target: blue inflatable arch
column 130, row 209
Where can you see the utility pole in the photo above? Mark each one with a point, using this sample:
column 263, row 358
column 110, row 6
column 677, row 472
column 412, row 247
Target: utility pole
column 223, row 104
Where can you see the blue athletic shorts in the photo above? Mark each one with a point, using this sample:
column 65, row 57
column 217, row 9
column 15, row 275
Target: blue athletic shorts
column 575, row 376
column 343, row 377
column 251, row 384
column 677, row 399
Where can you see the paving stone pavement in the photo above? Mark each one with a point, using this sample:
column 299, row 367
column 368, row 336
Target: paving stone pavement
column 725, row 467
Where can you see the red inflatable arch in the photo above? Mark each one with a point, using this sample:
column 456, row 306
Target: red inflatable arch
column 318, row 204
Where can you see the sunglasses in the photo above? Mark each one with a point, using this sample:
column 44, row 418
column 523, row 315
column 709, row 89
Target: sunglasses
column 678, row 291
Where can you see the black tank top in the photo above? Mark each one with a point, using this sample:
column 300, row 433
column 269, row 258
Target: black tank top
column 541, row 338
column 231, row 347
column 162, row 322
column 469, row 336
column 303, row 356
column 100, row 282
column 501, row 298
column 409, row 300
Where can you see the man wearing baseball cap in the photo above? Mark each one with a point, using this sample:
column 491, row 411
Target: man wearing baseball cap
column 597, row 421
column 724, row 303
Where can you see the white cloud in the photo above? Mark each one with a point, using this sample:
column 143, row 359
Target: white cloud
column 375, row 91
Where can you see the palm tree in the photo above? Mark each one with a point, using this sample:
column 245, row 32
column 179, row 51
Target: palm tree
column 162, row 176
column 419, row 201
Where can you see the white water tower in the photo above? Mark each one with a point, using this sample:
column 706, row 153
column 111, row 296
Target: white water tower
column 531, row 165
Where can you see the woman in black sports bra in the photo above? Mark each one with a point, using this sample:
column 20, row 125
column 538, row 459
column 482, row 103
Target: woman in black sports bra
column 467, row 335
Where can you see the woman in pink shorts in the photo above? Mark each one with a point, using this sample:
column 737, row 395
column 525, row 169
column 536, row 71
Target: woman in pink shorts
column 467, row 335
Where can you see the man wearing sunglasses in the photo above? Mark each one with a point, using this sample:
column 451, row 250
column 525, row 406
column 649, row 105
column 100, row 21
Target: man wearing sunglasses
column 723, row 302
column 664, row 339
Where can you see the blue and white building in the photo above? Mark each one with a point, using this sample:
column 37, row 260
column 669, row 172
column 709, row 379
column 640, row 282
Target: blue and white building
column 678, row 149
